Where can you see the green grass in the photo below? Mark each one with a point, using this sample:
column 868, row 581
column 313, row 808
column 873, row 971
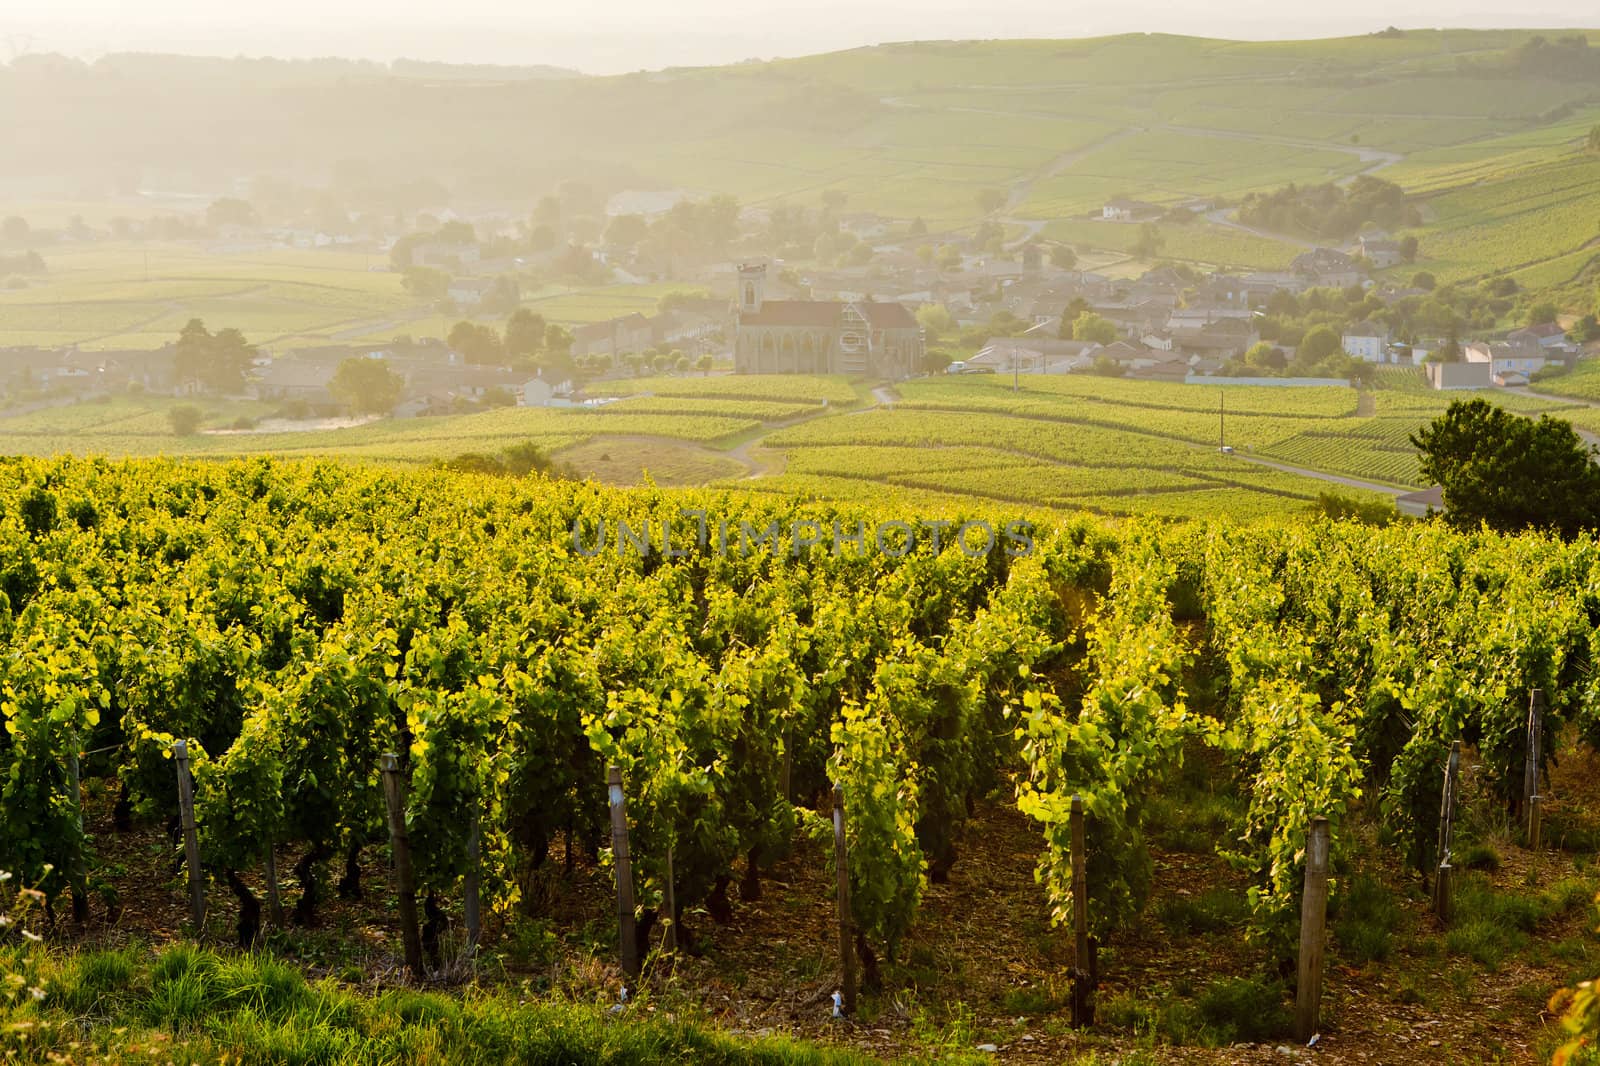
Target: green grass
column 201, row 1007
column 1491, row 924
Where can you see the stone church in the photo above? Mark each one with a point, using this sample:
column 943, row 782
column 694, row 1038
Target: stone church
column 855, row 337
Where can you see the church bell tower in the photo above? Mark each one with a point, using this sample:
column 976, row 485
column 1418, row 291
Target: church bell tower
column 752, row 286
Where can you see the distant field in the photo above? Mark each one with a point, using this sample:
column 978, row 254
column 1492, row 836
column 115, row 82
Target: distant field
column 1201, row 242
column 136, row 295
column 1168, row 167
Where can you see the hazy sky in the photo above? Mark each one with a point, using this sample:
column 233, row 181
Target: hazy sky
column 604, row 36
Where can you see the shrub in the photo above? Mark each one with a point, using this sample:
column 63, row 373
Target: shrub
column 185, row 419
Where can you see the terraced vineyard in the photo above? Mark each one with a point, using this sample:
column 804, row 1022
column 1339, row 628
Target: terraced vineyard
column 1378, row 449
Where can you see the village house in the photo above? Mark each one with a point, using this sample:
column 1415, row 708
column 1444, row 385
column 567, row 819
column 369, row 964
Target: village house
column 1452, row 376
column 1380, row 251
column 821, row 336
column 1328, row 267
column 1224, row 337
column 1367, row 341
column 1503, row 359
column 447, row 255
column 1174, row 370
column 1260, row 285
column 613, row 337
column 469, row 292
column 1123, row 210
column 1546, row 335
column 1221, row 290
column 303, row 380
column 1132, row 356
column 1035, row 355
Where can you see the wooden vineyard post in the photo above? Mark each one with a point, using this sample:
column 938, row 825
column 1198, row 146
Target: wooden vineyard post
column 669, row 903
column 1533, row 802
column 79, row 877
column 626, row 938
column 786, row 769
column 1083, row 962
column 1313, row 914
column 274, row 899
column 472, row 905
column 191, row 839
column 400, row 845
column 841, row 860
column 1447, row 813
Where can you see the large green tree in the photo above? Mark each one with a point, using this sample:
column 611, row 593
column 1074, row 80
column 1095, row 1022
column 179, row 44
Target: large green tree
column 1089, row 326
column 1318, row 344
column 525, row 331
column 1510, row 472
column 213, row 362
column 366, row 386
column 476, row 343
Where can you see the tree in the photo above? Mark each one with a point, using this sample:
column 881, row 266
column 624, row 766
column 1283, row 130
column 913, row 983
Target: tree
column 918, row 228
column 625, row 231
column 231, row 211
column 991, row 200
column 1062, row 257
column 557, row 339
column 1076, row 307
column 1089, row 326
column 185, row 419
column 1509, row 472
column 524, row 333
column 1150, row 241
column 936, row 321
column 1408, row 248
column 456, row 232
column 672, row 301
column 1594, row 139
column 366, row 386
column 425, row 283
column 502, row 296
column 936, row 360
column 1542, row 313
column 215, row 363
column 14, row 230
column 1265, row 356
column 475, row 343
column 1424, row 281
column 1448, row 352
column 703, row 363
column 1318, row 344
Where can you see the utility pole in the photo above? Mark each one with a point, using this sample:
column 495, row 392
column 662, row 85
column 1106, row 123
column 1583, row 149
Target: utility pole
column 1222, row 419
